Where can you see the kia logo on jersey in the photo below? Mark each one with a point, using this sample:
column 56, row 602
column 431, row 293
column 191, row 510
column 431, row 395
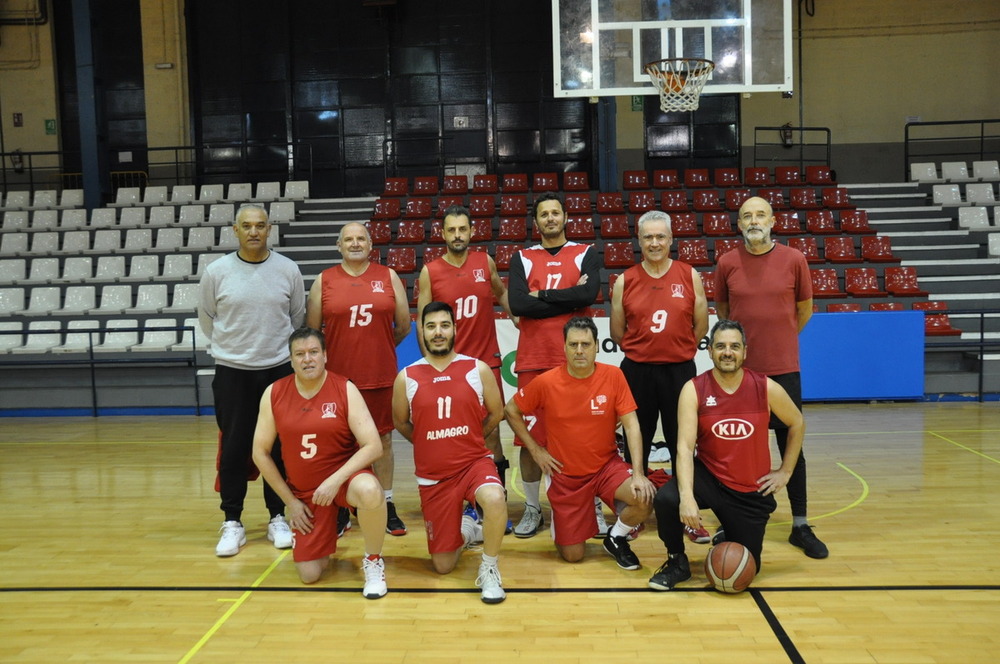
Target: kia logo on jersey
column 732, row 429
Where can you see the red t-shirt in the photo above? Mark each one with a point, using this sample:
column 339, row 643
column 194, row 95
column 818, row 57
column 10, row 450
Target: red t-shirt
column 316, row 439
column 762, row 292
column 358, row 318
column 446, row 408
column 540, row 340
column 732, row 430
column 581, row 414
column 659, row 315
column 469, row 290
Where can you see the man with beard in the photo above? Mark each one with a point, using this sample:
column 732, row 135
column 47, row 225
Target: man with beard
column 767, row 288
column 724, row 414
column 446, row 404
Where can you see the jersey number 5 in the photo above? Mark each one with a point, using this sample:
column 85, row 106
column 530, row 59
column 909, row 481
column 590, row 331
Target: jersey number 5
column 310, row 447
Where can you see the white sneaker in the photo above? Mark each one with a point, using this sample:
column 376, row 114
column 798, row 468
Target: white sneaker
column 472, row 532
column 531, row 522
column 279, row 533
column 233, row 537
column 602, row 525
column 374, row 577
column 489, row 581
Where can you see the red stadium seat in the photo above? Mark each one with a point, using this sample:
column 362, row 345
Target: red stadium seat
column 862, row 282
column 615, row 226
column 482, row 230
column 666, row 179
column 787, row 223
column 706, row 200
column 545, row 182
column 436, row 235
column 684, row 224
column 632, row 180
column 902, row 282
column 515, row 183
column 787, row 175
column 511, row 206
column 878, row 249
column 482, row 206
column 803, row 198
column 825, row 283
column 396, row 187
column 708, row 282
column 775, row 197
column 375, row 256
column 840, row 249
column 723, row 247
column 735, row 198
column 696, row 178
column 855, row 222
column 445, row 202
column 641, row 201
column 425, row 185
column 401, row 259
column 610, row 203
column 410, row 231
column 837, row 198
column 936, row 324
column 717, row 223
column 619, row 254
column 433, row 253
column 379, row 230
column 674, row 201
column 455, row 185
column 807, row 245
column 886, row 306
column 693, row 252
column 577, row 204
column 821, row 222
column 576, row 181
column 756, row 176
column 418, row 208
column 580, row 228
column 386, row 208
column 484, row 184
column 513, row 229
column 503, row 253
column 819, row 175
column 842, row 307
column 727, row 177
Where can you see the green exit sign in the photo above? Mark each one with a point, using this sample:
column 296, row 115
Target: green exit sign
column 636, row 102
column 50, row 127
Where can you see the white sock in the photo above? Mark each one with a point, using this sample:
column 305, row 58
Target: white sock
column 619, row 529
column 388, row 495
column 490, row 560
column 531, row 494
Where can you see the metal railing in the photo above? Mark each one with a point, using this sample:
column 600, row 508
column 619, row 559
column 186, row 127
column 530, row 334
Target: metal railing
column 790, row 145
column 955, row 140
column 978, row 346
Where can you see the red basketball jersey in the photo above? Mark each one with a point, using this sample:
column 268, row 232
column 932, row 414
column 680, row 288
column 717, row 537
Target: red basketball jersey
column 732, row 430
column 446, row 408
column 358, row 317
column 469, row 291
column 659, row 315
column 540, row 340
column 316, row 438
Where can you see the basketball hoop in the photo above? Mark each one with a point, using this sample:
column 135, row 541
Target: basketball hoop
column 679, row 81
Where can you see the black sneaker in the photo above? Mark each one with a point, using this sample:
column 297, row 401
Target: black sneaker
column 619, row 549
column 343, row 521
column 393, row 524
column 803, row 537
column 719, row 537
column 672, row 572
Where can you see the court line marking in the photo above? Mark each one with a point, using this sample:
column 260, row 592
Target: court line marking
column 860, row 499
column 964, row 447
column 232, row 609
column 780, row 634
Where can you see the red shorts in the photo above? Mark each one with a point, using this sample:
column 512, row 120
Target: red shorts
column 572, row 500
column 442, row 504
column 535, row 420
column 322, row 540
column 379, row 402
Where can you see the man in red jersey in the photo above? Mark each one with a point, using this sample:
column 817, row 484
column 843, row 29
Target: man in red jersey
column 329, row 443
column 585, row 401
column 724, row 413
column 362, row 309
column 549, row 283
column 767, row 288
column 469, row 282
column 445, row 404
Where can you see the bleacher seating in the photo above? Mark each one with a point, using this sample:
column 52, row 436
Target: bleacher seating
column 839, row 249
column 666, row 179
column 936, row 323
column 514, row 183
column 825, row 283
column 808, row 247
column 862, row 282
column 635, row 180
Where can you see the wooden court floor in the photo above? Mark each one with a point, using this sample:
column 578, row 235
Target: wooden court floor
column 109, row 527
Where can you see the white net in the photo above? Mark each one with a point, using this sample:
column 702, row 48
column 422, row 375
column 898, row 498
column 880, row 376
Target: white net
column 680, row 82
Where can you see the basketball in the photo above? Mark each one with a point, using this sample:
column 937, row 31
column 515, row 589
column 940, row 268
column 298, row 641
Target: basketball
column 674, row 82
column 730, row 567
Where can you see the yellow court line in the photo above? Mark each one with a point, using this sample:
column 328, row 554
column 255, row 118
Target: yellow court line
column 236, row 604
column 965, row 447
column 860, row 499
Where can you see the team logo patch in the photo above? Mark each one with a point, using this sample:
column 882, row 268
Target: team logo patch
column 329, row 410
column 710, row 401
column 597, row 404
column 378, row 287
column 479, row 276
column 677, row 290
column 732, row 429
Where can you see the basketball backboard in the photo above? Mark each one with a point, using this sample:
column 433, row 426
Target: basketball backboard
column 600, row 47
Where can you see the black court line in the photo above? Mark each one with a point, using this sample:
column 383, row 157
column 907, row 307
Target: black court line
column 632, row 589
column 775, row 624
